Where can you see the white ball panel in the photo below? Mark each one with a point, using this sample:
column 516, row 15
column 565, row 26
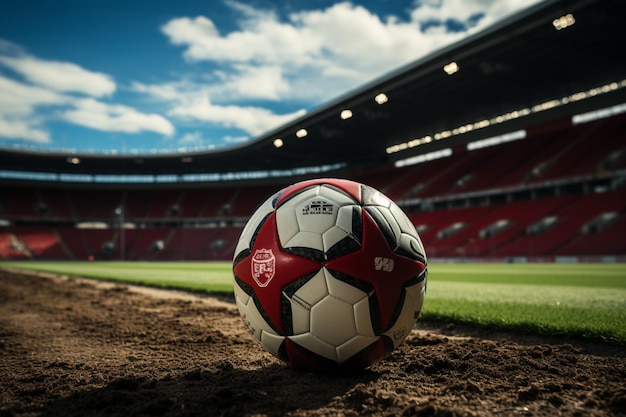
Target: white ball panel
column 363, row 318
column 240, row 295
column 344, row 218
column 317, row 214
column 314, row 290
column 332, row 320
column 418, row 292
column 316, row 208
column 380, row 199
column 252, row 224
column 287, row 215
column 300, row 317
column 400, row 330
column 286, row 225
column 305, row 240
column 316, row 345
column 243, row 311
column 344, row 291
column 341, row 229
column 403, row 221
column 332, row 236
column 272, row 342
column 412, row 244
column 353, row 346
column 413, row 302
column 391, row 220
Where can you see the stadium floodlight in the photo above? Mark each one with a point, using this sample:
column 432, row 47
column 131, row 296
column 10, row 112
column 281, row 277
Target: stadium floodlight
column 564, row 22
column 74, row 160
column 346, row 114
column 451, row 68
column 381, row 98
column 300, row 133
column 278, row 143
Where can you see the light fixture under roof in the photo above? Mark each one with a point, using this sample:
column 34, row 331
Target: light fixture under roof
column 74, row 160
column 564, row 21
column 451, row 68
column 346, row 114
column 522, row 112
column 278, row 143
column 381, row 98
column 300, row 133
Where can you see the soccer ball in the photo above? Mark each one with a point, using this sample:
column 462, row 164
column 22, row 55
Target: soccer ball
column 329, row 274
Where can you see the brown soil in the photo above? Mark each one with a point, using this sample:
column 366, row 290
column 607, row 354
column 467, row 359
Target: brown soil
column 71, row 347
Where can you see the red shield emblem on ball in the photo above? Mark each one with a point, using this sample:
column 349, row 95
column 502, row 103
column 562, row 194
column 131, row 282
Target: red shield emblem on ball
column 263, row 266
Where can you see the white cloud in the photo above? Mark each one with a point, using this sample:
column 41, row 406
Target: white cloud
column 464, row 10
column 18, row 104
column 263, row 40
column 195, row 141
column 254, row 120
column 191, row 139
column 241, row 82
column 19, row 98
column 60, row 76
column 10, row 48
column 50, row 93
column 354, row 39
column 20, row 128
column 167, row 91
column 236, row 139
column 116, row 118
column 191, row 101
column 323, row 53
column 252, row 82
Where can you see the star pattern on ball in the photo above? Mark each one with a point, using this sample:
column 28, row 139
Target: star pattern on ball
column 376, row 264
column 288, row 268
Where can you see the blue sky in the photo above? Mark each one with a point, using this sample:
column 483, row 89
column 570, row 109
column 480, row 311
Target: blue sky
column 134, row 76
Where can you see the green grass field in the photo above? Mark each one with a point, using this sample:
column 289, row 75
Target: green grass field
column 587, row 300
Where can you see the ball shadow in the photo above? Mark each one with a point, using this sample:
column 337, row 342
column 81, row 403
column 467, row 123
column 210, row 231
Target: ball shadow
column 223, row 391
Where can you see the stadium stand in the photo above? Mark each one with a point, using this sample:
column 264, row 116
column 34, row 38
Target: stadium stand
column 573, row 208
column 148, row 243
column 194, row 202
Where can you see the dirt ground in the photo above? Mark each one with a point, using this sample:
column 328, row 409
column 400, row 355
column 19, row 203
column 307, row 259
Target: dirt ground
column 71, row 347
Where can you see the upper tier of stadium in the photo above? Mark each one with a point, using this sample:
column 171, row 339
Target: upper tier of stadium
column 557, row 61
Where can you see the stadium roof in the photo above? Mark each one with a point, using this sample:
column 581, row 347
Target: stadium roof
column 518, row 73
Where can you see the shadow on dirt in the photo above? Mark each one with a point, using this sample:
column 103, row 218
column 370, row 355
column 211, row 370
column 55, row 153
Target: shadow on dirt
column 224, row 391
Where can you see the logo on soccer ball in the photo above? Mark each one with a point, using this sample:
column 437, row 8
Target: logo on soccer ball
column 383, row 264
column 263, row 266
column 318, row 207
